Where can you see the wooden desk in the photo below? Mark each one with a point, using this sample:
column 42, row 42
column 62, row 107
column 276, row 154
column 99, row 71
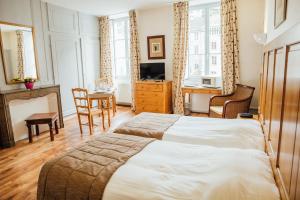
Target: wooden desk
column 199, row 90
column 104, row 96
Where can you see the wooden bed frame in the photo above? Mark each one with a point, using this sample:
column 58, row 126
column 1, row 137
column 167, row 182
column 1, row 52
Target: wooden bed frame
column 279, row 111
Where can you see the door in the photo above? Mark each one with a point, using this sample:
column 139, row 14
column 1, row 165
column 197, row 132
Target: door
column 67, row 68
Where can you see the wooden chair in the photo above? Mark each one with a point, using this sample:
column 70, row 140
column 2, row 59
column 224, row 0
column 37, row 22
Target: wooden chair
column 228, row 106
column 84, row 108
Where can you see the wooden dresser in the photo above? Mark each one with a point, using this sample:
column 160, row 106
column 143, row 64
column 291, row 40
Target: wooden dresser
column 151, row 96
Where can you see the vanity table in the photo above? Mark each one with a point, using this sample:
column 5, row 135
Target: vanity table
column 198, row 90
column 6, row 129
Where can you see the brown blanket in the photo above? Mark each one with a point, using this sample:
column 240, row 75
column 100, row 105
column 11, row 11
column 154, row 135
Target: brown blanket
column 151, row 125
column 83, row 172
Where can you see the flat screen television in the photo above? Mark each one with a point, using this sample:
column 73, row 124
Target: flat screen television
column 152, row 71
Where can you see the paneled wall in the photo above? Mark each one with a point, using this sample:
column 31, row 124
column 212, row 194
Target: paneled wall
column 280, row 109
column 67, row 41
column 74, row 48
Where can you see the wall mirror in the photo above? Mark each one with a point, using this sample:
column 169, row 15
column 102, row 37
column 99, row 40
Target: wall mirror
column 18, row 53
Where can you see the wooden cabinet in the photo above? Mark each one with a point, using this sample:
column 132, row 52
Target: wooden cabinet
column 151, row 96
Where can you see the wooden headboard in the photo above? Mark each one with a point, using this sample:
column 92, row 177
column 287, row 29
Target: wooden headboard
column 279, row 110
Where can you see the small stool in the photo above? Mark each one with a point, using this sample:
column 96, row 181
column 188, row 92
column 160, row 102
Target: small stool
column 42, row 118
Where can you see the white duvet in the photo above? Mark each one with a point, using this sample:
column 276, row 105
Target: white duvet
column 166, row 170
column 237, row 133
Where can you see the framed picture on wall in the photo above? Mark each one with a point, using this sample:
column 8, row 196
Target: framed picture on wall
column 280, row 12
column 156, row 47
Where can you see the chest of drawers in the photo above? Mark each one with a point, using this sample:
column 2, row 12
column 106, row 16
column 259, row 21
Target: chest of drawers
column 153, row 96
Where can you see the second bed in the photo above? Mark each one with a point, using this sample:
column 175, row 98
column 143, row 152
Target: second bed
column 228, row 133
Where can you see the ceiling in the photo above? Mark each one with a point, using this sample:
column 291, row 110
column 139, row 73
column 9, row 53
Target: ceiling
column 112, row 7
column 108, row 7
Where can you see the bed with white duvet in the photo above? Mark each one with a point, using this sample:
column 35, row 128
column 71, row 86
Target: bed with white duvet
column 167, row 170
column 125, row 167
column 237, row 133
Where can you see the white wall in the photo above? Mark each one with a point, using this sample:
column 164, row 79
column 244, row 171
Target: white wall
column 292, row 18
column 157, row 21
column 251, row 20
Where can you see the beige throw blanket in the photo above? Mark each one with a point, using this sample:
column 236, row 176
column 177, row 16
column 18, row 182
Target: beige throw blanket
column 83, row 172
column 151, row 125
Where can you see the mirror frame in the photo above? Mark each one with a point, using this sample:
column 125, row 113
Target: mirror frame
column 9, row 82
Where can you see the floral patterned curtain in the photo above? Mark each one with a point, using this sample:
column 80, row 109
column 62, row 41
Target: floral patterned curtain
column 181, row 20
column 105, row 53
column 230, row 46
column 135, row 57
column 20, row 52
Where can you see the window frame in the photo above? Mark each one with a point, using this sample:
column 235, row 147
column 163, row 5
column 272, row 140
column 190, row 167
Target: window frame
column 125, row 78
column 207, row 53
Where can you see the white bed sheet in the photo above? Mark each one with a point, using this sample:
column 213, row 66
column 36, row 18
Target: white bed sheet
column 236, row 133
column 166, row 170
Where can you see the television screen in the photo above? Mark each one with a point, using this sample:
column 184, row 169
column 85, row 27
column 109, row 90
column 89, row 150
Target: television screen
column 152, row 71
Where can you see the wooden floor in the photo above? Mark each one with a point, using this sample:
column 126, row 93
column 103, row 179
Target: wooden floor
column 20, row 165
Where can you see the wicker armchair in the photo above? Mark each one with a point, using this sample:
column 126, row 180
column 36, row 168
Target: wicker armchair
column 228, row 106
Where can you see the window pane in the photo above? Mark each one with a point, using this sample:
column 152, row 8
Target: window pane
column 215, row 64
column 197, row 20
column 197, row 42
column 119, row 30
column 197, row 49
column 120, row 49
column 214, row 41
column 214, row 30
column 121, row 67
column 197, row 65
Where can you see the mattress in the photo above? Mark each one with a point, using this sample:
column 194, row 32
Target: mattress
column 168, row 170
column 229, row 133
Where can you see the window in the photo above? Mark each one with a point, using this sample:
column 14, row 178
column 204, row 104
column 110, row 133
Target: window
column 213, row 45
column 120, row 48
column 204, row 53
column 214, row 60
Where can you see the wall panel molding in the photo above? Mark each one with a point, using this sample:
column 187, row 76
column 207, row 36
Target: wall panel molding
column 61, row 20
column 66, row 55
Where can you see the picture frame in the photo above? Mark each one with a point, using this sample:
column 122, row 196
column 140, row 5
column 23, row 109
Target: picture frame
column 280, row 12
column 156, row 47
